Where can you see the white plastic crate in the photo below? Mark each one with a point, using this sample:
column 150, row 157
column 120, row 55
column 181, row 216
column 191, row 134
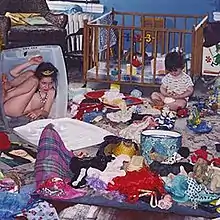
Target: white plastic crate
column 12, row 57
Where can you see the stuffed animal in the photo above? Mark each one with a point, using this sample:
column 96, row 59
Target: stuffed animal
column 200, row 171
column 215, row 178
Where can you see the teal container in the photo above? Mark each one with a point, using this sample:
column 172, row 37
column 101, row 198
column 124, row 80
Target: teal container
column 163, row 142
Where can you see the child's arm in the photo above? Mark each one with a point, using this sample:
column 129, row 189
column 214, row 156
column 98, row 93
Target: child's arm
column 186, row 94
column 163, row 90
column 15, row 72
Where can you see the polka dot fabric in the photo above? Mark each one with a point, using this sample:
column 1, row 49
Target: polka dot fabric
column 198, row 193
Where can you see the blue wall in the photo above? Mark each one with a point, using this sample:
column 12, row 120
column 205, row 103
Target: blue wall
column 161, row 6
column 190, row 7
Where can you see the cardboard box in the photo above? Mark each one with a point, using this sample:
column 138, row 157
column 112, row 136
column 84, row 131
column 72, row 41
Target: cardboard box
column 211, row 60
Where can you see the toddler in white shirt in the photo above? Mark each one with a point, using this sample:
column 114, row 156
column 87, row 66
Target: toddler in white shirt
column 176, row 86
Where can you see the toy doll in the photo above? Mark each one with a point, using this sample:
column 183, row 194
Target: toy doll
column 200, row 171
column 166, row 120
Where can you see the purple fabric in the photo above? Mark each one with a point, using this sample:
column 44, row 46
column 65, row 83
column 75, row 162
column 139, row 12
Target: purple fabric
column 53, row 158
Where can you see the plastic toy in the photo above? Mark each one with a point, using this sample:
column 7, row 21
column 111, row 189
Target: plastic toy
column 195, row 123
column 182, row 112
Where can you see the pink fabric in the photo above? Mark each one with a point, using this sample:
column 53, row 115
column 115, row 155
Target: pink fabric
column 56, row 188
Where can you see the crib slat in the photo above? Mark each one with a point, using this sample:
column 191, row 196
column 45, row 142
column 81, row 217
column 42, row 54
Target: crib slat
column 174, row 34
column 143, row 55
column 184, row 35
column 133, row 20
column 131, row 53
column 155, row 55
column 91, row 39
column 185, row 23
column 167, row 41
column 122, row 39
column 123, row 20
column 108, row 53
column 180, row 40
column 85, row 51
column 96, row 52
column 163, row 36
column 119, row 53
column 193, row 63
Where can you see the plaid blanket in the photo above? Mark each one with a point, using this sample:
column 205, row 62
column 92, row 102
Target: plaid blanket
column 53, row 158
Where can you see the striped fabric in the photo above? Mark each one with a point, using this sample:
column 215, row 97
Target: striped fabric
column 52, row 158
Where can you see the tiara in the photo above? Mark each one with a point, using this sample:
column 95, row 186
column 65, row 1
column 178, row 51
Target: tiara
column 47, row 73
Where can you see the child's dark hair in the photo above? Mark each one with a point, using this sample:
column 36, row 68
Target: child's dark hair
column 46, row 69
column 174, row 61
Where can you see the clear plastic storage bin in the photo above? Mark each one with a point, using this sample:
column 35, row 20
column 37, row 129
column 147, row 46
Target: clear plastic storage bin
column 12, row 57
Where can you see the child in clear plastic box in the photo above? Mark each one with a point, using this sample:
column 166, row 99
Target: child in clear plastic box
column 30, row 93
column 177, row 86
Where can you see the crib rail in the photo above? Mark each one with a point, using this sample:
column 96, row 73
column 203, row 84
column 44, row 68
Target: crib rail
column 197, row 47
column 135, row 16
column 112, row 52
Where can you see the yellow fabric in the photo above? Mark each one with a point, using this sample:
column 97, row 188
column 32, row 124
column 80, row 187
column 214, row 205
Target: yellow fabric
column 19, row 18
column 115, row 86
column 122, row 148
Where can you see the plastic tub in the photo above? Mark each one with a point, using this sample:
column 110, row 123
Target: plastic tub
column 162, row 142
column 12, row 57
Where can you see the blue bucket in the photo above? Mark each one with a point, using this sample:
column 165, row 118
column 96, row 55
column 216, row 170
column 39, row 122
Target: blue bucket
column 165, row 143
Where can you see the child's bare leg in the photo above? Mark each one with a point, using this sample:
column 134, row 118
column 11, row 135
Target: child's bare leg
column 157, row 98
column 18, row 98
column 23, row 88
column 179, row 103
column 18, row 80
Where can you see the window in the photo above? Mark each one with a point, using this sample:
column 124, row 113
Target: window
column 82, row 1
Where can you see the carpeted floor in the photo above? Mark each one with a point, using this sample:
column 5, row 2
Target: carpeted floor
column 79, row 212
column 190, row 140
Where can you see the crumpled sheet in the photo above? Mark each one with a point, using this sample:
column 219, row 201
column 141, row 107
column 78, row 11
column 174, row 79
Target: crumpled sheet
column 134, row 130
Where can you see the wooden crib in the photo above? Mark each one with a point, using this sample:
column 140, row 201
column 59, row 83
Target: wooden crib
column 129, row 48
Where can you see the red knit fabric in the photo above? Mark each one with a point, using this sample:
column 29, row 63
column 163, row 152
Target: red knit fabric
column 4, row 142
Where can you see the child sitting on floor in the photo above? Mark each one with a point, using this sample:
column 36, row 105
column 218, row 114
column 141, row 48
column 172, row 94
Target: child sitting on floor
column 176, row 86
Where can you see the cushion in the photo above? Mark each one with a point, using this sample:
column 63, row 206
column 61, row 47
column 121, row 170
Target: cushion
column 37, row 33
